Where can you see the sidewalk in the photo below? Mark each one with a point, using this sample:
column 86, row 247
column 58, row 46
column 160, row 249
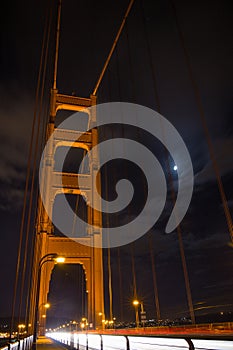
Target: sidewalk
column 44, row 343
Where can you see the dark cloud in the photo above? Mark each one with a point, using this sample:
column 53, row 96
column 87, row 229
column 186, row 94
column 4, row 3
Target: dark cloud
column 16, row 113
column 224, row 160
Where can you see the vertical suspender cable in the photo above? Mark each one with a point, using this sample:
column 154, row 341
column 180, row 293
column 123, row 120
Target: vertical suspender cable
column 26, row 186
column 183, row 259
column 110, row 284
column 35, row 156
column 35, row 249
column 108, row 254
column 57, row 46
column 154, row 274
column 133, row 271
column 118, row 248
column 108, row 224
column 134, row 95
column 120, row 283
column 157, row 100
column 203, row 121
column 32, row 192
column 82, row 278
column 38, row 241
column 130, row 67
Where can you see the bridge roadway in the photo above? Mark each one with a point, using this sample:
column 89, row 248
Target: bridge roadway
column 44, row 343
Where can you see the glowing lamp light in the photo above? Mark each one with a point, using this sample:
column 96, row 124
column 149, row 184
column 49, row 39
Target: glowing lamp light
column 21, row 326
column 175, row 167
column 60, row 259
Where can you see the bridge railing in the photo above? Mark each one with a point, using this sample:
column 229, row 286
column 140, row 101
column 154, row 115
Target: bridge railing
column 91, row 341
column 21, row 344
column 205, row 328
column 97, row 341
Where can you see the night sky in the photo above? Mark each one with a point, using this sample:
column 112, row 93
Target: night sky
column 88, row 29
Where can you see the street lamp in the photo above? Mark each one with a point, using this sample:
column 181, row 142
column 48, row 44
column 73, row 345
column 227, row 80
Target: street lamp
column 136, row 303
column 48, row 257
column 76, row 324
column 84, row 324
column 42, row 310
column 114, row 319
column 21, row 328
column 44, row 306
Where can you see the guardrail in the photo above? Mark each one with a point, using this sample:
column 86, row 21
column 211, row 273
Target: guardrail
column 21, row 344
column 92, row 341
column 213, row 328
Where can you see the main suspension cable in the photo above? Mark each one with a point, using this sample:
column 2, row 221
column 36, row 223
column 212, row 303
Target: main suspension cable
column 113, row 47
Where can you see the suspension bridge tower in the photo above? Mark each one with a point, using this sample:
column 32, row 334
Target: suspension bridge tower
column 84, row 250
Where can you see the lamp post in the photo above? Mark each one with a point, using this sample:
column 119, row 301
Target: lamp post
column 21, row 328
column 84, row 324
column 76, row 324
column 114, row 319
column 143, row 315
column 42, row 310
column 136, row 303
column 43, row 260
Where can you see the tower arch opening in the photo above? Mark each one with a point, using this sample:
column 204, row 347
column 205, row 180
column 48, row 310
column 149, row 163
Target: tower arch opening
column 80, row 209
column 83, row 119
column 69, row 161
column 67, row 296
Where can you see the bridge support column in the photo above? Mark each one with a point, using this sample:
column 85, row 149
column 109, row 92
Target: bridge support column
column 85, row 254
